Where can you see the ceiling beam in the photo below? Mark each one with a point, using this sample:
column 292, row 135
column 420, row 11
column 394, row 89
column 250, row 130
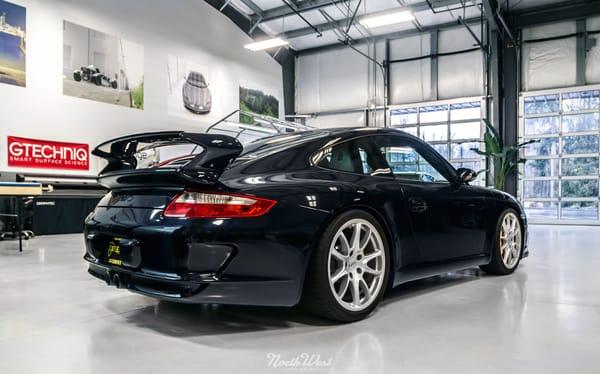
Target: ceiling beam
column 392, row 36
column 258, row 12
column 307, row 5
column 322, row 27
column 550, row 13
column 489, row 9
column 304, row 6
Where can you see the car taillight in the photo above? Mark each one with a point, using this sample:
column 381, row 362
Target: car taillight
column 217, row 205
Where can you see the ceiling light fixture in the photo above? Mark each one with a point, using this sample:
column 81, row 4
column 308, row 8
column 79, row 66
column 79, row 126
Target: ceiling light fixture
column 266, row 44
column 387, row 18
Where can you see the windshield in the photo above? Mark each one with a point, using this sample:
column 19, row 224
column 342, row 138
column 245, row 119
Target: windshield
column 196, row 79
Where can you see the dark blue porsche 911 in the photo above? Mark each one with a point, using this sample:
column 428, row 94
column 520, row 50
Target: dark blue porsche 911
column 330, row 219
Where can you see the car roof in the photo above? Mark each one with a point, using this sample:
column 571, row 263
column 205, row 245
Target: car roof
column 303, row 137
column 281, row 142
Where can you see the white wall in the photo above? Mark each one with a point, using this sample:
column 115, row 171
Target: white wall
column 190, row 29
column 342, row 79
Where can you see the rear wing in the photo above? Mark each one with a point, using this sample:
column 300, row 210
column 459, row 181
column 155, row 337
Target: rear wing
column 205, row 167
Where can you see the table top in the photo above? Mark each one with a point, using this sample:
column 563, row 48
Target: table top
column 20, row 189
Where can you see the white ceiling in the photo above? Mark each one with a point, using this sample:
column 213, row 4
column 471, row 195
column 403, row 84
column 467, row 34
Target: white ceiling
column 344, row 10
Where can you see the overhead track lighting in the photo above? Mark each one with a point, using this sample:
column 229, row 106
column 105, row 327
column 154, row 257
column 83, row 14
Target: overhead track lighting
column 266, row 44
column 388, row 18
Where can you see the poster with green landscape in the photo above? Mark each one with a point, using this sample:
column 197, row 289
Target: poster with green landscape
column 256, row 101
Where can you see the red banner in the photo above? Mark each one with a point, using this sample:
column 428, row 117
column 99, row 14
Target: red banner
column 46, row 154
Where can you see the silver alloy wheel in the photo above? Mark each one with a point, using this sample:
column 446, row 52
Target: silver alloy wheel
column 356, row 264
column 510, row 240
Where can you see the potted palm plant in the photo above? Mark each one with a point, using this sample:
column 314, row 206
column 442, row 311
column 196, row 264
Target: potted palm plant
column 505, row 159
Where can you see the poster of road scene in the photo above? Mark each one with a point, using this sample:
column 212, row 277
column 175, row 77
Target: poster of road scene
column 259, row 102
column 102, row 67
column 192, row 90
column 12, row 44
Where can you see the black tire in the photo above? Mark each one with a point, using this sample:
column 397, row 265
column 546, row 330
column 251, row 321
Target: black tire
column 113, row 84
column 77, row 76
column 317, row 296
column 497, row 266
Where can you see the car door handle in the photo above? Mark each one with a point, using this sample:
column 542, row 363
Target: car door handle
column 417, row 205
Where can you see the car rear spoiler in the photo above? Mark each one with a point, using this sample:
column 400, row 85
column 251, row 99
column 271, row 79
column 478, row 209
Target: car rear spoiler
column 205, row 168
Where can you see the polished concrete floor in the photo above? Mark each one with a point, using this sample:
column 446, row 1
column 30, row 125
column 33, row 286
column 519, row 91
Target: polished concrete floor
column 545, row 318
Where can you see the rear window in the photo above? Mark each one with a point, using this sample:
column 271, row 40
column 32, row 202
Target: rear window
column 277, row 143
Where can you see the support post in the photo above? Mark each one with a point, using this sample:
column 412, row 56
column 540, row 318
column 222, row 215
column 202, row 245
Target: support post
column 387, row 90
column 434, row 50
column 510, row 102
column 581, row 51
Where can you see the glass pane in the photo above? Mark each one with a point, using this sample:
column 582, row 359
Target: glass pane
column 463, row 111
column 581, row 122
column 581, row 144
column 429, row 174
column 545, row 147
column 541, row 209
column 463, row 150
column 410, row 130
column 434, row 133
column 579, row 166
column 541, row 168
column 541, row 126
column 540, row 189
column 434, row 113
column 404, row 116
column 401, row 159
column 470, row 130
column 584, row 210
column 580, row 188
column 584, row 100
column 542, row 104
column 441, row 149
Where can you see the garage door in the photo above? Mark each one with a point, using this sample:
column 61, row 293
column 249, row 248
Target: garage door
column 559, row 181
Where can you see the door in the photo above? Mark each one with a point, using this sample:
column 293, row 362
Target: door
column 446, row 217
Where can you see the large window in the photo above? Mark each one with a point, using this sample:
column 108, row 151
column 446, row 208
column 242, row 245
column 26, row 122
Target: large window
column 559, row 180
column 453, row 128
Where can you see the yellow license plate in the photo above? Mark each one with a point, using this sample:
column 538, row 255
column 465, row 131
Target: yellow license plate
column 113, row 252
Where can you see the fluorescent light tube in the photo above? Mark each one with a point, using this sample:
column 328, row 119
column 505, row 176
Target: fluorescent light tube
column 387, row 18
column 266, row 44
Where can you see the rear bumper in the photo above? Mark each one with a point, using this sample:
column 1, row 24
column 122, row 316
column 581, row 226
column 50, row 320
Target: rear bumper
column 225, row 261
column 198, row 289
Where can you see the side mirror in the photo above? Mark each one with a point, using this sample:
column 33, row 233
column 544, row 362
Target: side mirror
column 466, row 175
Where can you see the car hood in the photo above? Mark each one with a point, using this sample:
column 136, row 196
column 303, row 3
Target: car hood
column 196, row 95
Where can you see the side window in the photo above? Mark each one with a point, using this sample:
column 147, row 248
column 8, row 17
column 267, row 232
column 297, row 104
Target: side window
column 407, row 163
column 354, row 156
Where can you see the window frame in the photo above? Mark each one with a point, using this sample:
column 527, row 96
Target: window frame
column 448, row 122
column 417, row 144
column 420, row 147
column 315, row 160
